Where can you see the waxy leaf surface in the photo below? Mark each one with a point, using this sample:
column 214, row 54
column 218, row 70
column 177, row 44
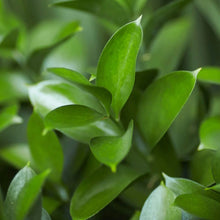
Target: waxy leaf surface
column 161, row 103
column 112, row 150
column 116, row 67
column 199, row 205
column 159, row 205
column 99, row 189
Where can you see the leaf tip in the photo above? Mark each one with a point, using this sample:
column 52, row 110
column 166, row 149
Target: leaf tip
column 195, row 72
column 113, row 168
column 138, row 21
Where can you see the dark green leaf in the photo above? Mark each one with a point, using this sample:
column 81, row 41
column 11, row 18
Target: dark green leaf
column 110, row 10
column 159, row 205
column 199, row 205
column 36, row 58
column 201, row 167
column 46, row 150
column 211, row 11
column 112, row 150
column 210, row 133
column 10, row 40
column 162, row 15
column 28, row 195
column 116, row 67
column 170, row 42
column 161, row 103
column 209, row 74
column 8, row 116
column 99, row 189
column 100, row 93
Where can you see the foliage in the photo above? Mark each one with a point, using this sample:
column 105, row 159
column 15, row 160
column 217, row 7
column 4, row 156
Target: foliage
column 132, row 132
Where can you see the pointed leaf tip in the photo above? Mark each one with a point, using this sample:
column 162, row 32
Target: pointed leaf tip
column 195, row 72
column 138, row 20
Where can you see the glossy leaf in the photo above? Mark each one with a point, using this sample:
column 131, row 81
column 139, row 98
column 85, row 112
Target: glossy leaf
column 170, row 42
column 202, row 172
column 168, row 94
column 116, row 66
column 159, row 205
column 111, row 10
column 72, row 116
column 49, row 95
column 112, row 150
column 81, row 122
column 36, row 58
column 17, row 155
column 99, row 189
column 15, row 188
column 28, row 195
column 8, row 116
column 46, row 150
column 102, row 94
column 199, row 205
column 210, row 75
column 210, row 133
column 182, row 186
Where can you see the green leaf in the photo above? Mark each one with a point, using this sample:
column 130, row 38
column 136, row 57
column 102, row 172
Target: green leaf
column 210, row 133
column 161, row 16
column 211, row 11
column 103, row 95
column 45, row 215
column 116, row 67
column 28, row 195
column 110, row 10
column 17, row 155
column 136, row 216
column 36, row 58
column 99, row 189
column 10, row 40
column 46, row 150
column 14, row 190
column 69, row 116
column 202, row 172
column 13, row 85
column 170, row 42
column 8, row 116
column 81, row 123
column 112, row 150
column 209, row 74
column 168, row 95
column 182, row 186
column 50, row 204
column 49, row 95
column 159, row 205
column 199, row 205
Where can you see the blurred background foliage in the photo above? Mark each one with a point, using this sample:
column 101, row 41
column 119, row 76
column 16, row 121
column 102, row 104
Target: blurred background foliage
column 181, row 34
